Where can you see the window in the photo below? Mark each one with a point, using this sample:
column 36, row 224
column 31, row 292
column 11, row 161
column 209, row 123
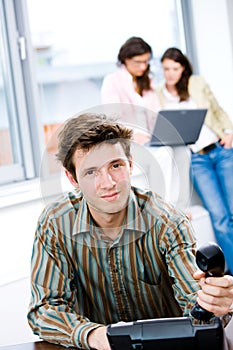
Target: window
column 16, row 161
column 54, row 56
column 77, row 43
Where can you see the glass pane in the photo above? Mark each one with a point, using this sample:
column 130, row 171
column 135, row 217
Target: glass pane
column 76, row 44
column 11, row 167
column 6, row 154
column 9, row 134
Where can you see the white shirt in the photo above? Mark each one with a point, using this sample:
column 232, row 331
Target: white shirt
column 207, row 136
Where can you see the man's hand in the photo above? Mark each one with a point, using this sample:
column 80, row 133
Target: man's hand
column 216, row 293
column 97, row 339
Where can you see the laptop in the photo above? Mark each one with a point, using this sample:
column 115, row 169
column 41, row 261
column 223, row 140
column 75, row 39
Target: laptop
column 177, row 127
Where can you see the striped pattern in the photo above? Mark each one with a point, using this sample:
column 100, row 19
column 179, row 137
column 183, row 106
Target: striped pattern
column 81, row 279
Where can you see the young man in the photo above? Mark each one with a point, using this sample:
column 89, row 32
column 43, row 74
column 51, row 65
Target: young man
column 108, row 251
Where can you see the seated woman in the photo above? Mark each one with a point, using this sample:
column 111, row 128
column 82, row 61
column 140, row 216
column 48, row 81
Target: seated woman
column 132, row 84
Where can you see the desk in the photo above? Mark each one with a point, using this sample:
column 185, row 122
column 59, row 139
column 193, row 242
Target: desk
column 39, row 345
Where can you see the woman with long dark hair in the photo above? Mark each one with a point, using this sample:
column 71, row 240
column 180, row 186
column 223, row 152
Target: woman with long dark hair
column 212, row 154
column 132, row 84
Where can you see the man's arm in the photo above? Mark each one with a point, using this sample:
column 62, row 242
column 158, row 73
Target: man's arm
column 214, row 294
column 53, row 308
column 97, row 339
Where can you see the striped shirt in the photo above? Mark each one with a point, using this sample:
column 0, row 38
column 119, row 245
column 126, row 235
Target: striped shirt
column 81, row 279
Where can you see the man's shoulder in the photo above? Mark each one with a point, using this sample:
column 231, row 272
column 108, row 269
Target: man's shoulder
column 147, row 199
column 63, row 205
column 152, row 204
column 142, row 194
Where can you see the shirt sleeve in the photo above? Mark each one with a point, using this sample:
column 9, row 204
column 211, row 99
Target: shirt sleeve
column 221, row 120
column 178, row 246
column 53, row 310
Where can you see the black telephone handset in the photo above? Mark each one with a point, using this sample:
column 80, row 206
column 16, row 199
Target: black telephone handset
column 210, row 259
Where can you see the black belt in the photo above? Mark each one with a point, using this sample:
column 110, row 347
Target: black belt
column 206, row 149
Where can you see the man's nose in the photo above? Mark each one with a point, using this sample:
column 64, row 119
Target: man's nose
column 105, row 179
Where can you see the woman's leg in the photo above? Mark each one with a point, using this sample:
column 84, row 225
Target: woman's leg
column 209, row 178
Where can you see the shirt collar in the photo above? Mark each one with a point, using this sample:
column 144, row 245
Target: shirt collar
column 83, row 221
column 136, row 219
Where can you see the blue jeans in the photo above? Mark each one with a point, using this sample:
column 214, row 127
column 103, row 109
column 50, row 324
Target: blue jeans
column 212, row 176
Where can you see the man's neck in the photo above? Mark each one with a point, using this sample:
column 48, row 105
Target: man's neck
column 110, row 224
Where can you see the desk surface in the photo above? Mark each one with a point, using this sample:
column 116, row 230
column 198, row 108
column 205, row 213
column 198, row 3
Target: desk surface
column 40, row 345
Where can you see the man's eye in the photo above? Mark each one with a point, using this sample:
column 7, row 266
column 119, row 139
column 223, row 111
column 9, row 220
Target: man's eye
column 90, row 172
column 116, row 165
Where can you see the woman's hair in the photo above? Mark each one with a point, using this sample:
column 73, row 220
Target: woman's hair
column 136, row 46
column 176, row 55
column 86, row 131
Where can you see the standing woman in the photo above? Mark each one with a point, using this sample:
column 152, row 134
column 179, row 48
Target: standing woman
column 212, row 154
column 131, row 84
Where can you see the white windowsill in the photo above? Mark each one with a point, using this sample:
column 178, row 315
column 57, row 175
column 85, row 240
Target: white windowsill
column 22, row 192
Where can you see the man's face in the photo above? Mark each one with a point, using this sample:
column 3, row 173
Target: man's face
column 103, row 175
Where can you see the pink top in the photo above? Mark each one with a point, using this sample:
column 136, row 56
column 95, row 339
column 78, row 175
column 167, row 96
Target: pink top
column 118, row 88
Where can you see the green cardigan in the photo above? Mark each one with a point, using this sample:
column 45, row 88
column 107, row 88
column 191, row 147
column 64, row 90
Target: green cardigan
column 216, row 118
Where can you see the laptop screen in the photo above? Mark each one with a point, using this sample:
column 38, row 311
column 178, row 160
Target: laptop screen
column 177, row 127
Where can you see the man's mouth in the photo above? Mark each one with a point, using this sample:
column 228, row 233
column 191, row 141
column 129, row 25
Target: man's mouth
column 110, row 196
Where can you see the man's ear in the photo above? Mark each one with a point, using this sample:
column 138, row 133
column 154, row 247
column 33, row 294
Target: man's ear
column 71, row 179
column 131, row 164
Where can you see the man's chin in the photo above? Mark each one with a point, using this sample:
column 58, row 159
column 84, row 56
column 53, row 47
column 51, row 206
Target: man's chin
column 109, row 208
column 112, row 209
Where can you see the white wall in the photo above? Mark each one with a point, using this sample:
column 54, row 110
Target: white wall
column 215, row 48
column 17, row 226
column 14, row 303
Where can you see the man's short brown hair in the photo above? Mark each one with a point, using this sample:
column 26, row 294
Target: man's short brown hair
column 86, row 131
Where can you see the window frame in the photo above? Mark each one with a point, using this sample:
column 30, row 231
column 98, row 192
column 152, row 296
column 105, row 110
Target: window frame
column 20, row 97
